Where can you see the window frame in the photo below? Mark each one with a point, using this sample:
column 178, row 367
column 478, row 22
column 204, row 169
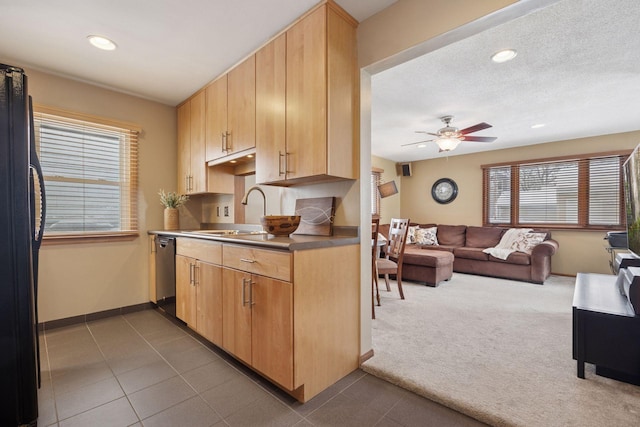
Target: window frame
column 583, row 192
column 129, row 157
column 376, row 180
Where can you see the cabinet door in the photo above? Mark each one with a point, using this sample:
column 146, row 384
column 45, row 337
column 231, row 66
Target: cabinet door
column 209, row 301
column 216, row 119
column 307, row 96
column 198, row 166
column 184, row 147
column 272, row 329
column 241, row 106
column 185, row 290
column 270, row 111
column 236, row 314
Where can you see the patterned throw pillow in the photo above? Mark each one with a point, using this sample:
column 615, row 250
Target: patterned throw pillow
column 411, row 235
column 427, row 236
column 527, row 241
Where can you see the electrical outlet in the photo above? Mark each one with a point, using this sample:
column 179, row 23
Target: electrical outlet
column 226, row 211
column 218, row 210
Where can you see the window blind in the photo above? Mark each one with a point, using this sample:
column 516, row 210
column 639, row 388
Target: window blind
column 90, row 175
column 376, row 178
column 584, row 192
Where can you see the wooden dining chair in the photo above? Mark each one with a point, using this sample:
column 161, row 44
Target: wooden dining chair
column 375, row 225
column 394, row 251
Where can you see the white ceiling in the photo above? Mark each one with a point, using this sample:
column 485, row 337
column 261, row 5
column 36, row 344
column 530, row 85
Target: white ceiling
column 167, row 49
column 577, row 70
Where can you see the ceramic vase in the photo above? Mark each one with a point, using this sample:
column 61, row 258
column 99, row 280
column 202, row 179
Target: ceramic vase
column 171, row 219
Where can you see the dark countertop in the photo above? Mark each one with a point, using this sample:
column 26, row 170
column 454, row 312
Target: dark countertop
column 343, row 236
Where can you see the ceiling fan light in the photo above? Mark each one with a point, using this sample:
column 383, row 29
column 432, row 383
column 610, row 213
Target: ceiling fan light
column 447, row 144
column 504, row 55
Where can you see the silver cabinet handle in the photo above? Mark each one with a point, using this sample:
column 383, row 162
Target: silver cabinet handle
column 186, row 182
column 223, row 143
column 251, row 302
column 244, row 292
column 191, row 280
column 196, row 275
column 251, row 261
column 280, row 171
column 286, row 163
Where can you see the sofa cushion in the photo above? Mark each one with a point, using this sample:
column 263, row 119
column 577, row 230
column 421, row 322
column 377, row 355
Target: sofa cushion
column 519, row 258
column 483, row 237
column 428, row 258
column 528, row 241
column 411, row 234
column 426, row 236
column 470, row 253
column 451, row 235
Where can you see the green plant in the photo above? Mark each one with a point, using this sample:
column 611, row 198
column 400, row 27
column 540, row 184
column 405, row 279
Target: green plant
column 172, row 200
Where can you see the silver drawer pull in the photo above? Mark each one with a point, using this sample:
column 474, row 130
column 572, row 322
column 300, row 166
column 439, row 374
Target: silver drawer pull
column 248, row 260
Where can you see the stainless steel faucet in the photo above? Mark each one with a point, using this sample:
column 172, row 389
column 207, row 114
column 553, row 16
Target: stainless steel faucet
column 264, row 198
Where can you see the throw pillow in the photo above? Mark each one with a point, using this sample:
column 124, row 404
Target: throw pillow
column 527, row 241
column 427, row 236
column 411, row 235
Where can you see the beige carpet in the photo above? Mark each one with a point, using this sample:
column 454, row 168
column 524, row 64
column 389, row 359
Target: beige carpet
column 497, row 350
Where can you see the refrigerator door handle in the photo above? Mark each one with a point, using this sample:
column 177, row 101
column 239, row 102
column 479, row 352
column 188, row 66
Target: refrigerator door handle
column 36, row 173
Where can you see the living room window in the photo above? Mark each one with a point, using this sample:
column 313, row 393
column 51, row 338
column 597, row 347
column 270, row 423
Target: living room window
column 376, row 179
column 90, row 175
column 584, row 192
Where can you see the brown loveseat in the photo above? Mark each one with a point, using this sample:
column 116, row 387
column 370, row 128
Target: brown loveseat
column 434, row 263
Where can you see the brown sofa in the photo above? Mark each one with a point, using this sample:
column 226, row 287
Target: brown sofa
column 460, row 249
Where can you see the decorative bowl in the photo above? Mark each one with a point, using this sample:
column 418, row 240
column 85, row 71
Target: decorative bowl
column 280, row 225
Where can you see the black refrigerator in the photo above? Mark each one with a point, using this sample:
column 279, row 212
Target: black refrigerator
column 22, row 210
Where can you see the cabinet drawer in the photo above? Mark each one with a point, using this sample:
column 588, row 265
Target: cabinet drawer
column 204, row 250
column 258, row 261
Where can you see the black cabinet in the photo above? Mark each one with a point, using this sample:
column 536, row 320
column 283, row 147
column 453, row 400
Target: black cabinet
column 606, row 330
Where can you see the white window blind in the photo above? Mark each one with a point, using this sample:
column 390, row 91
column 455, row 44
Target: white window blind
column 376, row 178
column 566, row 193
column 90, row 175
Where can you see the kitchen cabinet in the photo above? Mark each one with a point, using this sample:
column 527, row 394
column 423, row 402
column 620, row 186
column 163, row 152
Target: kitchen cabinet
column 192, row 168
column 199, row 287
column 271, row 111
column 321, row 129
column 230, row 112
column 257, row 310
column 152, row 268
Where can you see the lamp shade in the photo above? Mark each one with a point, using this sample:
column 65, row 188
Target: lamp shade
column 387, row 189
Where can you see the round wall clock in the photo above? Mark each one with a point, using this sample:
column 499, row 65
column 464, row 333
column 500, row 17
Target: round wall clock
column 444, row 190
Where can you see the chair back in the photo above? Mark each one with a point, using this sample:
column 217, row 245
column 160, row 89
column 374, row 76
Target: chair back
column 398, row 230
column 375, row 225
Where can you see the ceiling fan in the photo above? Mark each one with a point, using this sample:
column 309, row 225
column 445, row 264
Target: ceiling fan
column 449, row 137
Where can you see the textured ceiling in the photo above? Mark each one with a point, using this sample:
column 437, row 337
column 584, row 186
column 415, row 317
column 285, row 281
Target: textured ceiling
column 577, row 71
column 167, row 49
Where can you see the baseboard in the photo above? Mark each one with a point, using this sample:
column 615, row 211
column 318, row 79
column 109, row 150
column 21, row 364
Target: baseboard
column 368, row 355
column 74, row 320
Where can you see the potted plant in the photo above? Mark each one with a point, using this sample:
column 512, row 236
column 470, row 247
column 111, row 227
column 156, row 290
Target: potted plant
column 171, row 202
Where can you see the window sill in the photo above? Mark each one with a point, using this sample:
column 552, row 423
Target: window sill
column 65, row 239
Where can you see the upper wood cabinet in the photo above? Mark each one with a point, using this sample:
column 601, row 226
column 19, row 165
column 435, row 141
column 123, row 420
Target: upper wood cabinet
column 271, row 86
column 192, row 168
column 231, row 112
column 321, row 102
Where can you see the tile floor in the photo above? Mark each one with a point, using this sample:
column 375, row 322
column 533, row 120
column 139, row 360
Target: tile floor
column 142, row 369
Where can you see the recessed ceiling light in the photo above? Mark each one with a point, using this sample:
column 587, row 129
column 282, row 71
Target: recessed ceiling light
column 504, row 55
column 538, row 126
column 101, row 42
column 421, row 145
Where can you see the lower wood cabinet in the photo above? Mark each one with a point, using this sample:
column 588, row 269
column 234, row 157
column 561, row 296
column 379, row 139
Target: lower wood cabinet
column 291, row 316
column 258, row 323
column 199, row 297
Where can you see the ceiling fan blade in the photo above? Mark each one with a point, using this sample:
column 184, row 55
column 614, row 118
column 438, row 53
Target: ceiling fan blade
column 475, row 128
column 479, row 138
column 428, row 133
column 415, row 143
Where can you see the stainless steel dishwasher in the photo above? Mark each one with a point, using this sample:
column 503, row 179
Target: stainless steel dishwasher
column 166, row 273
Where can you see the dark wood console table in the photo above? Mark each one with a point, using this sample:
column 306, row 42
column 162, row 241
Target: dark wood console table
column 606, row 331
